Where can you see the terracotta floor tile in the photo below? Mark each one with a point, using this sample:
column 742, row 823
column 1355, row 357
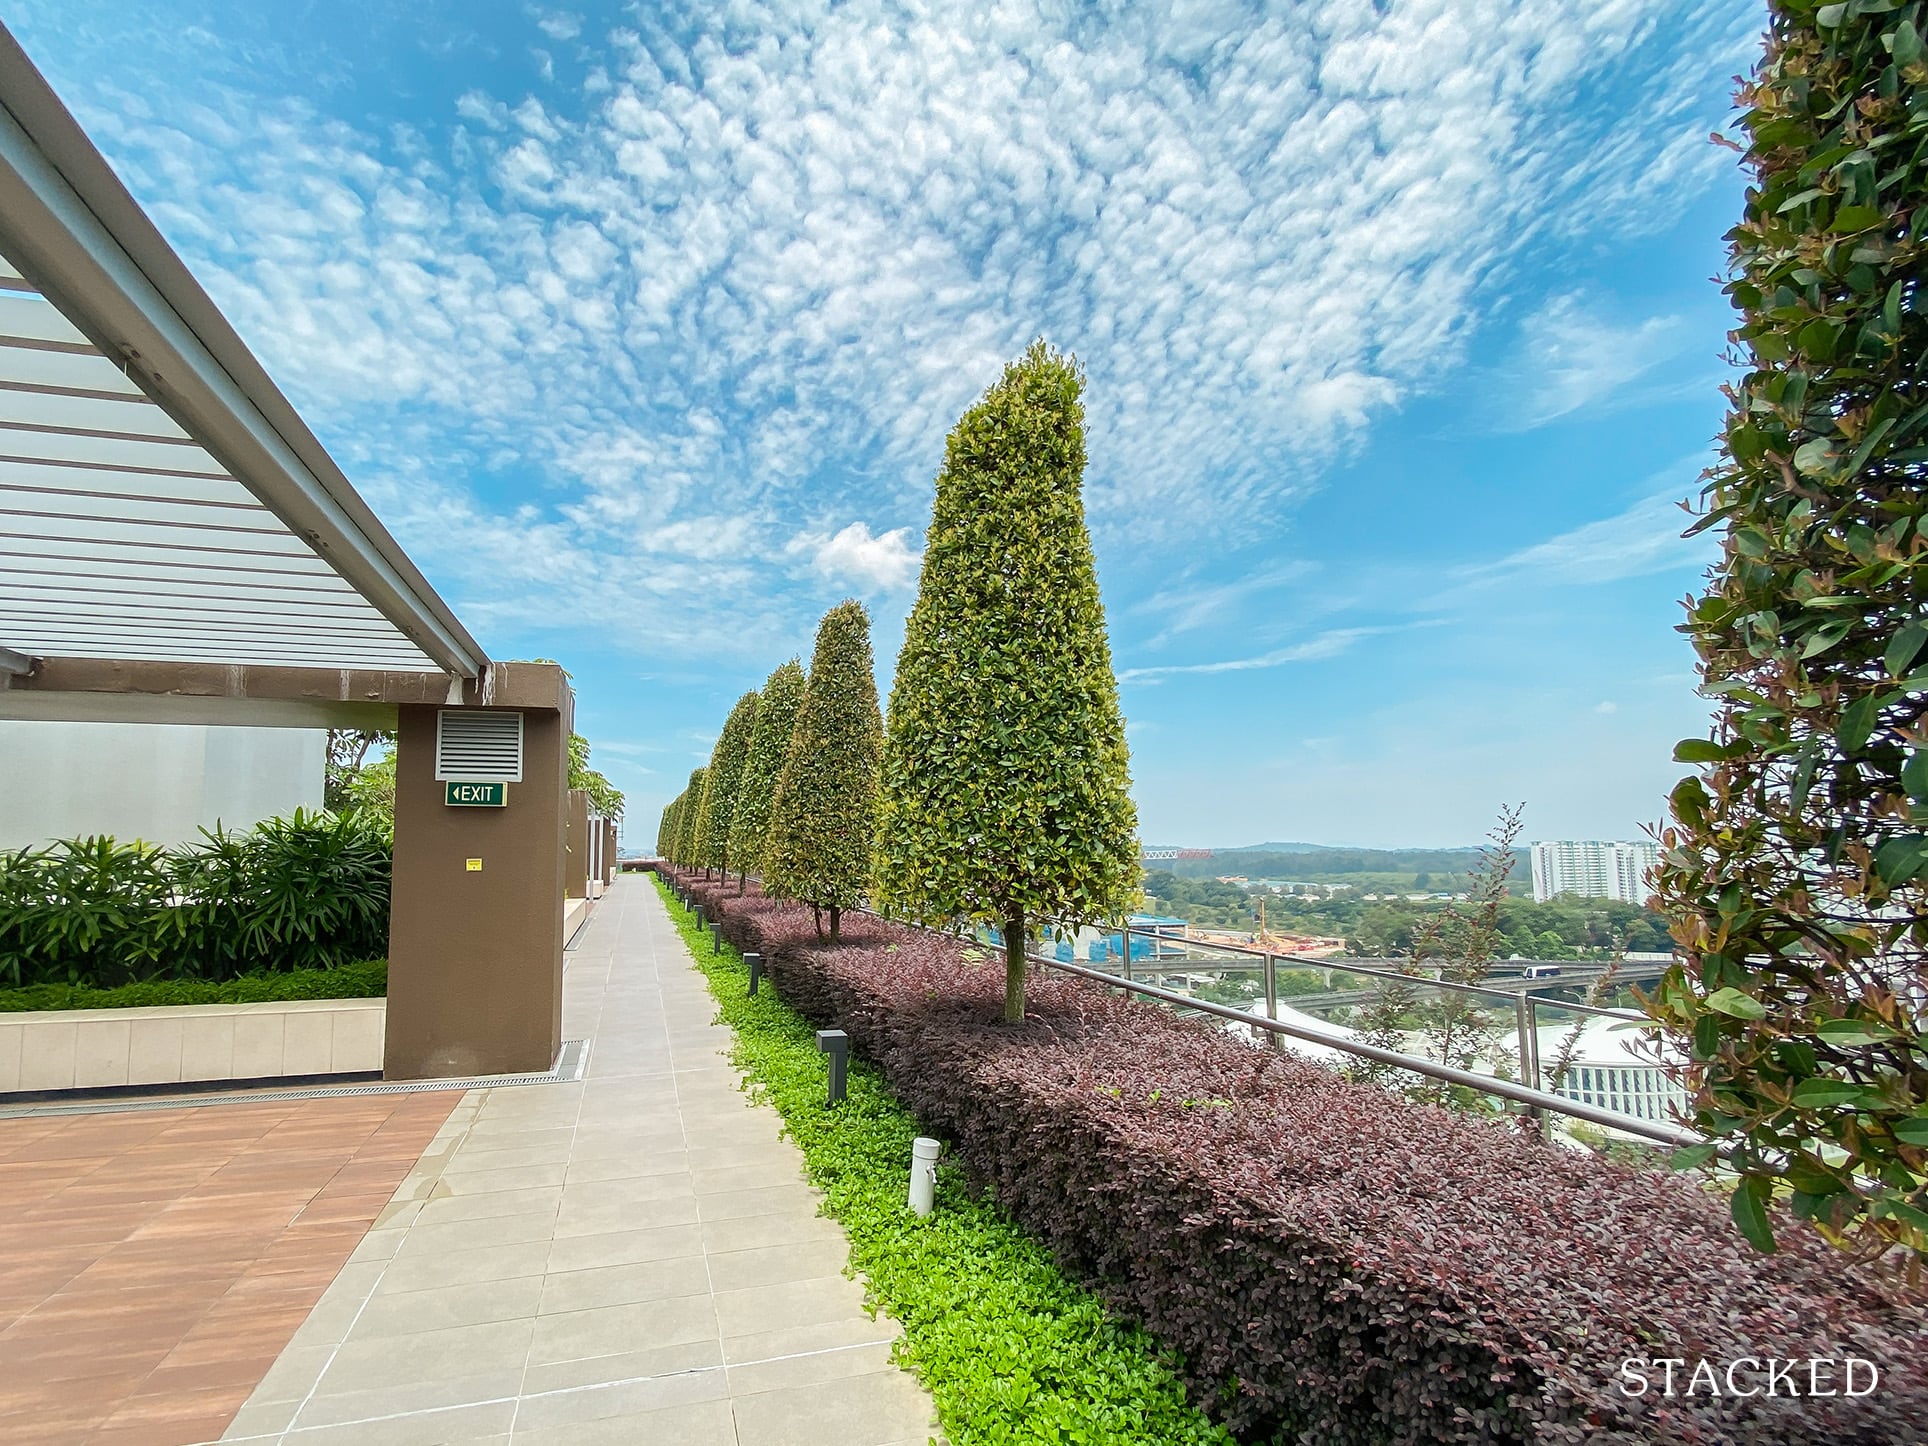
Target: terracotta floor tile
column 156, row 1262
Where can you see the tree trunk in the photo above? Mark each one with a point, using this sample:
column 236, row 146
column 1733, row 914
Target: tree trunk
column 836, row 915
column 816, row 913
column 742, row 880
column 1014, row 969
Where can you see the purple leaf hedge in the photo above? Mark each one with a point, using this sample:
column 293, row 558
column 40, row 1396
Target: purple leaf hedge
column 1333, row 1263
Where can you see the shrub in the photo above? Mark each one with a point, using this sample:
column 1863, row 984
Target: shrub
column 1336, row 1263
column 720, row 786
column 824, row 813
column 308, row 892
column 1797, row 864
column 776, row 720
column 344, row 981
column 1005, row 796
column 686, row 823
column 1008, row 1348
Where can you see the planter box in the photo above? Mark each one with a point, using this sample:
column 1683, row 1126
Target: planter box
column 61, row 1049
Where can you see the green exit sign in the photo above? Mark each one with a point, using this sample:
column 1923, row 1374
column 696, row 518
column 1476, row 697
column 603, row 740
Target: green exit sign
column 476, row 795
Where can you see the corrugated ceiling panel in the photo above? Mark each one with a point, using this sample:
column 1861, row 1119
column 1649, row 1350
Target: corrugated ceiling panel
column 121, row 537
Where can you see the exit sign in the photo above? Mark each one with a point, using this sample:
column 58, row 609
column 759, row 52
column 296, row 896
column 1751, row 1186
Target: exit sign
column 476, row 795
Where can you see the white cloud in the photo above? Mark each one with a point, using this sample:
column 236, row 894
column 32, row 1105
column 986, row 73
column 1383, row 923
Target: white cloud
column 1608, row 706
column 1571, row 355
column 1645, row 538
column 675, row 294
column 560, row 25
column 1328, row 644
column 884, row 562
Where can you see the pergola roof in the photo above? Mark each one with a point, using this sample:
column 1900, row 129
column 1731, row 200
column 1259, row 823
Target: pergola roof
column 160, row 500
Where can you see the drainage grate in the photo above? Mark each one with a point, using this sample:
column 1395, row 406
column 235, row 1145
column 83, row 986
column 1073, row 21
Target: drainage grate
column 569, row 1065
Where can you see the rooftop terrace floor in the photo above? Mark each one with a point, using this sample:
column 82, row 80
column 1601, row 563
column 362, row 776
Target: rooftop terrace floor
column 633, row 1256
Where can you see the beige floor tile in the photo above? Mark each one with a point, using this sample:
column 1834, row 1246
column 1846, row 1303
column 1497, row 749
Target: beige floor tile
column 614, row 1329
column 868, row 1410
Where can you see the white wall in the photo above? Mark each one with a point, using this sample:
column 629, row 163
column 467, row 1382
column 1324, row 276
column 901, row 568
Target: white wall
column 161, row 782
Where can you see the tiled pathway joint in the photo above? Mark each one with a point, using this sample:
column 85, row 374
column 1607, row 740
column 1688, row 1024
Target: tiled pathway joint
column 632, row 1258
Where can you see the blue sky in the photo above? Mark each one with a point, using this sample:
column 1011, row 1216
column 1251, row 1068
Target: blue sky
column 642, row 328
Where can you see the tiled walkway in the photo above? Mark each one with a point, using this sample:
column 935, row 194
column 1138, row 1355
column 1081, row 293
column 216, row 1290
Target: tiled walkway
column 632, row 1258
column 154, row 1264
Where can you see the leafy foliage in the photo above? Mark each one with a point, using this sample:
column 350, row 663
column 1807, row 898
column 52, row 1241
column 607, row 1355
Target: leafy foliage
column 1009, row 1349
column 824, row 813
column 1333, row 1262
column 720, row 784
column 344, row 981
column 1797, row 861
column 776, row 721
column 692, row 804
column 1005, row 797
column 604, row 797
column 307, row 892
column 347, row 757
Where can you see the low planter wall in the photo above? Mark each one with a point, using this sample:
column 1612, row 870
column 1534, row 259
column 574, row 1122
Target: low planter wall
column 191, row 1043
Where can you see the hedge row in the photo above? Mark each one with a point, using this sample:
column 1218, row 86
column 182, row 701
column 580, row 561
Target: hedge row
column 345, row 981
column 1336, row 1264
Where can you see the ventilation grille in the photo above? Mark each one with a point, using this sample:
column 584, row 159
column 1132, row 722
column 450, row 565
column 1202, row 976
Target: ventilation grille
column 474, row 746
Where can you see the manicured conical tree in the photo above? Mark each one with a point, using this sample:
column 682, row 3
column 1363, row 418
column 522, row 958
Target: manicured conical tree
column 1005, row 797
column 700, row 834
column 672, row 830
column 686, row 829
column 776, row 720
column 1796, row 867
column 823, row 817
column 720, row 787
column 662, row 829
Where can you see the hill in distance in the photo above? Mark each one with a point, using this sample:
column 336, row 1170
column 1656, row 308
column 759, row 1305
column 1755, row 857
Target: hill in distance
column 1366, row 867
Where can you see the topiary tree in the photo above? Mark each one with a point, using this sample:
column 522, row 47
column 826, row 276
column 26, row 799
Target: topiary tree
column 686, row 828
column 663, row 826
column 720, row 785
column 1796, row 865
column 823, row 816
column 776, row 720
column 1005, row 797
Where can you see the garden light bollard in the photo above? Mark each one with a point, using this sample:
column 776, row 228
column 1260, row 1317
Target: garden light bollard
column 923, row 1174
column 716, row 938
column 836, row 1044
column 700, row 920
column 755, row 961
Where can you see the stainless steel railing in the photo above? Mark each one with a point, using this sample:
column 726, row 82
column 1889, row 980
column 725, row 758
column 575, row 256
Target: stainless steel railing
column 1526, row 1092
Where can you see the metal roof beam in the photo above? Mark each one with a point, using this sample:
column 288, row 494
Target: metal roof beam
column 75, row 233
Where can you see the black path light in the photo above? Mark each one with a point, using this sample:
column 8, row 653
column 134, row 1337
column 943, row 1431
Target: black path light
column 836, row 1044
column 755, row 961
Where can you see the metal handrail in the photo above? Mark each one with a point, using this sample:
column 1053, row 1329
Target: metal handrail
column 1485, row 1084
column 1312, row 961
column 1537, row 1100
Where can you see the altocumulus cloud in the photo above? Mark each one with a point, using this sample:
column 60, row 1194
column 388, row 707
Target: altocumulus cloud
column 732, row 272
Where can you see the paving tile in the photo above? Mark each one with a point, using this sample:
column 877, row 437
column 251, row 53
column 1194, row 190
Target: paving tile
column 616, row 1329
column 867, row 1410
column 635, row 1257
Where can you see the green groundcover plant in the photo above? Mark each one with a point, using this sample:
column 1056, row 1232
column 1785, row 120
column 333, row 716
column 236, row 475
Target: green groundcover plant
column 1010, row 1350
column 345, row 981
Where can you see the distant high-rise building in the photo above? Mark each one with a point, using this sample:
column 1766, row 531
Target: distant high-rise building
column 1593, row 869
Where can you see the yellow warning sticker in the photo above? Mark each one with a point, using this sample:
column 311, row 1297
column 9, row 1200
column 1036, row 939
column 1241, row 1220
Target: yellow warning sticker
column 475, row 866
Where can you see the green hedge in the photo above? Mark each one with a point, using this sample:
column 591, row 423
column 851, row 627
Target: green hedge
column 1010, row 1350
column 307, row 892
column 345, row 981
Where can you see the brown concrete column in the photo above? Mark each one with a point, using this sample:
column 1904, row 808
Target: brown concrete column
column 576, row 881
column 609, row 852
column 475, row 955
